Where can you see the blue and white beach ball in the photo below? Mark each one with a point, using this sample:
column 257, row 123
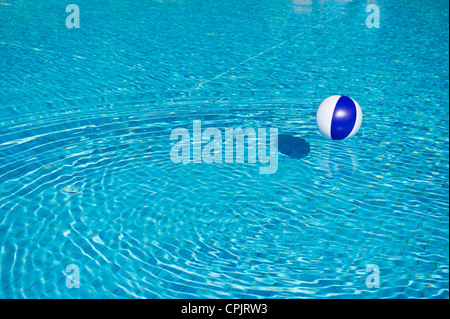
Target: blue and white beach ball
column 339, row 117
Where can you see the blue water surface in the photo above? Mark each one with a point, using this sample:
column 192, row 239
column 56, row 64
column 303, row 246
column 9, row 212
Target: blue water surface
column 86, row 177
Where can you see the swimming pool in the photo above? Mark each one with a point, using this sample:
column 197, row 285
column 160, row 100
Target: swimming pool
column 87, row 183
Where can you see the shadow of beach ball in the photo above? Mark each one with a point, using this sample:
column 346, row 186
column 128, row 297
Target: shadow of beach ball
column 294, row 147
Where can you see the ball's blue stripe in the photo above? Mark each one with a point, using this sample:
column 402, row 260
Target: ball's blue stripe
column 344, row 118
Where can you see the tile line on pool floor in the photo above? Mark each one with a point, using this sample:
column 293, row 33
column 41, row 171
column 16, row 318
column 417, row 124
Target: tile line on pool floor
column 200, row 85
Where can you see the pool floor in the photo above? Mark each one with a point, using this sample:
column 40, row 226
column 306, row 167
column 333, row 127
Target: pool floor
column 93, row 206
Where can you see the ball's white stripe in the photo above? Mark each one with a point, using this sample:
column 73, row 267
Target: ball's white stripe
column 325, row 113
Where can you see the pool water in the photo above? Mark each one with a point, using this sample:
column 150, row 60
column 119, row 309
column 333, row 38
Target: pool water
column 86, row 178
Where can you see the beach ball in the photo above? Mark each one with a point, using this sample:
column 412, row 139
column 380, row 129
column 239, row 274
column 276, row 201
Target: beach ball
column 339, row 117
